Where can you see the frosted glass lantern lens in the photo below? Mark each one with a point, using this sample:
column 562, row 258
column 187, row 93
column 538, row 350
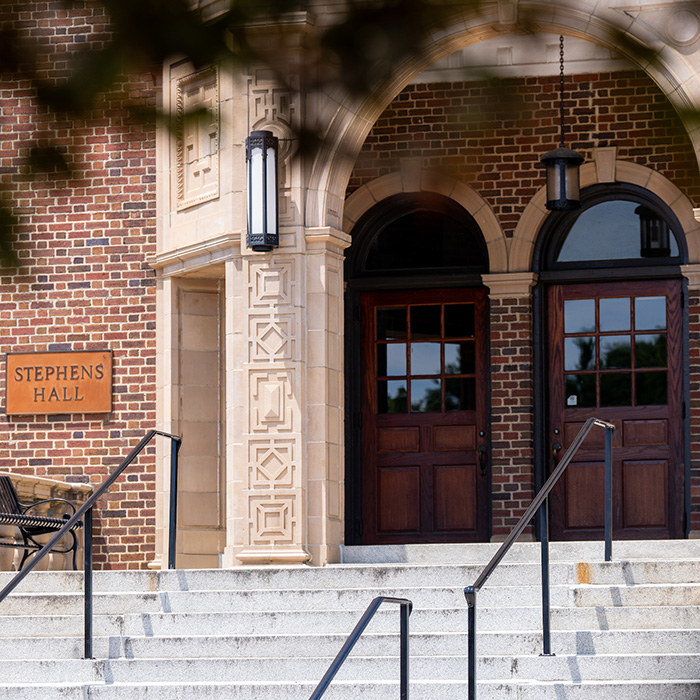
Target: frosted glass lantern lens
column 553, row 182
column 572, row 182
column 271, row 186
column 256, row 194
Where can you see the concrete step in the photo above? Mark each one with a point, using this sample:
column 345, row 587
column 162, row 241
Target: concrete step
column 269, row 599
column 651, row 594
column 625, row 629
column 341, row 622
column 376, row 690
column 582, row 642
column 623, row 550
column 293, row 669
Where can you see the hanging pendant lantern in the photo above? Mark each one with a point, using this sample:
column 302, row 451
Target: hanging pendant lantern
column 654, row 235
column 562, row 164
column 261, row 149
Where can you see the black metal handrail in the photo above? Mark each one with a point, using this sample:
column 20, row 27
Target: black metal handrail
column 406, row 607
column 86, row 510
column 540, row 501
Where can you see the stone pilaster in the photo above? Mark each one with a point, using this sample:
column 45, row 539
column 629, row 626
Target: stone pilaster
column 325, row 402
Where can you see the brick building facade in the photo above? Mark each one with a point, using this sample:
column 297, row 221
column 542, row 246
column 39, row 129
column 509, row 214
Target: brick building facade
column 82, row 282
column 251, row 357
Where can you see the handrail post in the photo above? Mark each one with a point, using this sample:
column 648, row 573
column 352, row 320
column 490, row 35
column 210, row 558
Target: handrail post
column 404, row 612
column 87, row 561
column 470, row 595
column 608, row 492
column 544, row 550
column 172, row 531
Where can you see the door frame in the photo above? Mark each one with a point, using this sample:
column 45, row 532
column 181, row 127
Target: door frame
column 358, row 281
column 478, row 297
column 555, row 225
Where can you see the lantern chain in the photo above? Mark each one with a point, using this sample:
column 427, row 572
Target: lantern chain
column 561, row 87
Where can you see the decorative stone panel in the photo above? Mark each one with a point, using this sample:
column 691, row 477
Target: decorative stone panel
column 197, row 119
column 270, row 518
column 273, row 108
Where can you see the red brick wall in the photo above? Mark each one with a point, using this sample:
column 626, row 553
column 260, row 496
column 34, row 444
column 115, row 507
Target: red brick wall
column 491, row 136
column 512, row 406
column 83, row 282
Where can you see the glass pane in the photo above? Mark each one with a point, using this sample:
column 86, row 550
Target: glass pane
column 460, row 394
column 650, row 313
column 650, row 350
column 425, row 358
column 428, row 239
column 606, row 231
column 391, row 396
column 391, row 359
column 651, row 388
column 579, row 316
column 580, row 390
column 425, row 322
column 616, row 389
column 391, row 323
column 459, row 358
column 459, row 320
column 614, row 315
column 426, row 395
column 615, row 352
column 579, row 353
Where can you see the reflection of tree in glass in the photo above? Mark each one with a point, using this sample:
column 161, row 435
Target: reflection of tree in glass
column 617, row 355
column 430, row 402
column 454, row 367
column 397, row 402
column 586, row 353
column 650, row 353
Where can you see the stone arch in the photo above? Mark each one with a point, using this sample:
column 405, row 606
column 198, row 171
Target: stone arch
column 352, row 118
column 599, row 172
column 365, row 197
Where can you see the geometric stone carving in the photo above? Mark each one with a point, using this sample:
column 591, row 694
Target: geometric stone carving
column 272, row 464
column 197, row 105
column 272, row 107
column 272, row 520
column 270, row 284
column 271, row 338
column 271, row 401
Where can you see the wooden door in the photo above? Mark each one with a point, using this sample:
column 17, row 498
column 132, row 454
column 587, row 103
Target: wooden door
column 616, row 353
column 424, row 417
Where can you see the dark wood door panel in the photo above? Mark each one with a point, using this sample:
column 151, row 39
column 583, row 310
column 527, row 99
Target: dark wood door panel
column 588, row 355
column 424, row 416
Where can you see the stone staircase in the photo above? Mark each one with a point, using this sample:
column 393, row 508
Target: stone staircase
column 628, row 630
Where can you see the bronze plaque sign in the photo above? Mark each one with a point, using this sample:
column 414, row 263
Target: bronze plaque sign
column 59, row 382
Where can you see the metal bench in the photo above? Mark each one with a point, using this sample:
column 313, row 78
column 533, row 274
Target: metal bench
column 12, row 512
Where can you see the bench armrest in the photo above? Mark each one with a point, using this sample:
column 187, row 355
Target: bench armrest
column 26, row 508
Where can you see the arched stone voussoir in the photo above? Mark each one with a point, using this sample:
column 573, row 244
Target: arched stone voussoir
column 350, row 120
column 528, row 228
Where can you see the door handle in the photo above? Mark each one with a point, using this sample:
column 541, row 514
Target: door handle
column 482, row 459
column 556, row 449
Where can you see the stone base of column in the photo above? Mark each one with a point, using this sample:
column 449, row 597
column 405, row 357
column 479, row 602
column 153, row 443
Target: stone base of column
column 268, row 555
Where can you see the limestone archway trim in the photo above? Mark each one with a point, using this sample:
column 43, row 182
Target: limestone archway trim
column 350, row 119
column 421, row 180
column 523, row 243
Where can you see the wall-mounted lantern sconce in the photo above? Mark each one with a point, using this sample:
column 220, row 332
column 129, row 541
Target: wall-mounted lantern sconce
column 261, row 149
column 654, row 236
column 562, row 163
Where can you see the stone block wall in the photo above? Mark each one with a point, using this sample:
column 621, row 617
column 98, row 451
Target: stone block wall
column 83, row 283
